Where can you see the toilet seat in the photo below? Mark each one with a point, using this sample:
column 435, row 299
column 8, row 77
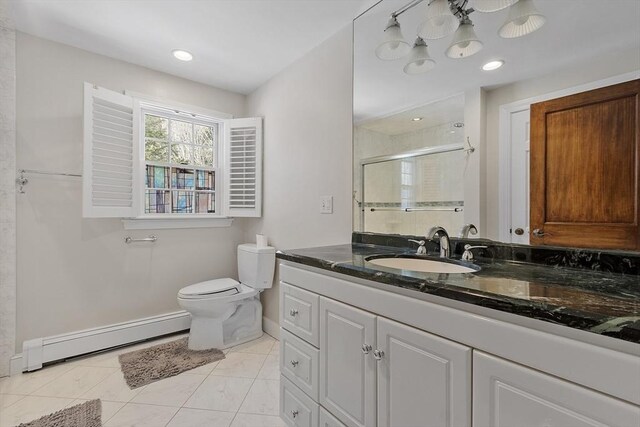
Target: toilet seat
column 211, row 288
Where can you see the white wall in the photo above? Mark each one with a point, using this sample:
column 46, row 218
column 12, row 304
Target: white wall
column 7, row 189
column 615, row 64
column 76, row 273
column 307, row 151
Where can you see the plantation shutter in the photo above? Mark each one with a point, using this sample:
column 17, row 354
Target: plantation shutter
column 243, row 142
column 110, row 154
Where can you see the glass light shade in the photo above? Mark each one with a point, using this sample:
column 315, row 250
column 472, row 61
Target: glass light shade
column 419, row 60
column 465, row 42
column 440, row 21
column 523, row 19
column 491, row 5
column 393, row 46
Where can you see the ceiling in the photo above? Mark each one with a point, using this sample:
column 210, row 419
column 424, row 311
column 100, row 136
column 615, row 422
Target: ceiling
column 237, row 44
column 432, row 114
column 589, row 33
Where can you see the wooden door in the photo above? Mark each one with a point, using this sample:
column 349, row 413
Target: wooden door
column 347, row 373
column 423, row 380
column 509, row 395
column 585, row 161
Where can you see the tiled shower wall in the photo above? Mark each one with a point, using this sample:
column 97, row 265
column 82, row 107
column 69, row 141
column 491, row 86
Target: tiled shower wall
column 7, row 189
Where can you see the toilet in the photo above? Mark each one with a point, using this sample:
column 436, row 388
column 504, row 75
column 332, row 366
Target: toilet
column 225, row 312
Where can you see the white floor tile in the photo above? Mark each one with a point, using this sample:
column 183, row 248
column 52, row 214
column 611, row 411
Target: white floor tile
column 203, row 370
column 31, row 408
column 270, row 369
column 220, row 394
column 113, row 388
column 139, row 415
column 263, row 398
column 275, row 350
column 9, row 399
column 201, row 418
column 242, row 365
column 172, row 391
column 109, row 409
column 75, row 383
column 106, row 360
column 252, row 420
column 29, row 382
column 262, row 345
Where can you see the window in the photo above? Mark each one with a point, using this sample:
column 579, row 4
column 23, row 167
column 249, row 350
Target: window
column 180, row 163
column 148, row 161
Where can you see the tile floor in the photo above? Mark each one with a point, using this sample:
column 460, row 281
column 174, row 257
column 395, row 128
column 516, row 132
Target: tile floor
column 240, row 391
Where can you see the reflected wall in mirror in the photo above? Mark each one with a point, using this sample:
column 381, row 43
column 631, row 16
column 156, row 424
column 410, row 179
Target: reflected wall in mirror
column 582, row 149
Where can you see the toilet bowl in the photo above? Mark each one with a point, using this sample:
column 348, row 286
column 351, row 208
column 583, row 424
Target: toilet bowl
column 225, row 312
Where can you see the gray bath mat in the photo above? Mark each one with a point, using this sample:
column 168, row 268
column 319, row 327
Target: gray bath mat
column 87, row 414
column 142, row 367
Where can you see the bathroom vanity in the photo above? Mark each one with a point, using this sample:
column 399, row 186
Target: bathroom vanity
column 517, row 343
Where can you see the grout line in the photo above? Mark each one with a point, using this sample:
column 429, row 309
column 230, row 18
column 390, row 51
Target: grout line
column 248, row 391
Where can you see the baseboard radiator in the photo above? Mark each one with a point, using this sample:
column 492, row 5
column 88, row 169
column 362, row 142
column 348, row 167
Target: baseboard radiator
column 39, row 351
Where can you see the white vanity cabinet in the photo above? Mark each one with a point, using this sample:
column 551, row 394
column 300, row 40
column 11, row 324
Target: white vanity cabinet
column 347, row 366
column 359, row 356
column 510, row 395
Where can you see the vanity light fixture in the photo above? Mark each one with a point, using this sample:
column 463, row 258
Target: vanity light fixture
column 393, row 46
column 419, row 60
column 446, row 17
column 182, row 55
column 493, row 65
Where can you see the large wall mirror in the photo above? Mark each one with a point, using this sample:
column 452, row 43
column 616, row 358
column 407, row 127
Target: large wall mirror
column 520, row 117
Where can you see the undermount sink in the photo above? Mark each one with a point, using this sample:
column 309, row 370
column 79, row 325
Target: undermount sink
column 423, row 265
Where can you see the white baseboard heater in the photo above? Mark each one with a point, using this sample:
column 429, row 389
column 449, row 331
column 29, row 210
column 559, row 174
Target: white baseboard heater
column 39, row 351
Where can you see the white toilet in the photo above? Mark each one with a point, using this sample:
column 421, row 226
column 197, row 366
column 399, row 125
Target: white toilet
column 225, row 312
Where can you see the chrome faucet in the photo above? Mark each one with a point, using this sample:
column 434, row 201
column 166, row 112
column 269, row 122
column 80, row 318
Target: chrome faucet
column 445, row 244
column 466, row 229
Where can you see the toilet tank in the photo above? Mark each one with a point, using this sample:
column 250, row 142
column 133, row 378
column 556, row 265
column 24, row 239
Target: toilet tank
column 256, row 265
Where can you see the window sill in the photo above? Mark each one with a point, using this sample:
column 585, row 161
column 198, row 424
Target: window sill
column 168, row 223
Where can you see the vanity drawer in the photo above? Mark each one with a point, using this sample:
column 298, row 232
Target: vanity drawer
column 299, row 312
column 296, row 408
column 328, row 420
column 299, row 362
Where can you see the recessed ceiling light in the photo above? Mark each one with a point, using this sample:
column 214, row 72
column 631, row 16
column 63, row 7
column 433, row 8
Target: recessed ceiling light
column 493, row 65
column 182, row 55
column 417, row 119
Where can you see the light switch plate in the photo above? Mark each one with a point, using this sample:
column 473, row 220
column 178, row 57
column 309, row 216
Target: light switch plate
column 326, row 206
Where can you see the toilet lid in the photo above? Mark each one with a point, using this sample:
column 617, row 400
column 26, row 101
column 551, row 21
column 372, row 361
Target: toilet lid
column 222, row 287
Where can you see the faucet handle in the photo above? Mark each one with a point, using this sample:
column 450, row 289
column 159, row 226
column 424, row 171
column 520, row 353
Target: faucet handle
column 467, row 255
column 421, row 249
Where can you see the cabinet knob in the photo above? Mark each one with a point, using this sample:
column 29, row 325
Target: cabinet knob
column 378, row 354
column 366, row 348
column 293, row 312
column 294, row 363
column 294, row 413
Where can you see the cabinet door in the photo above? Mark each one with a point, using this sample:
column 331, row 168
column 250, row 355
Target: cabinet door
column 510, row 395
column 347, row 373
column 423, row 380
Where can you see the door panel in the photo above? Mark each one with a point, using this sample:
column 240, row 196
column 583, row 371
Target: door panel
column 510, row 395
column 422, row 379
column 585, row 167
column 347, row 374
column 520, row 167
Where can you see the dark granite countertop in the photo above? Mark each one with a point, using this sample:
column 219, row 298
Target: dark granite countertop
column 601, row 302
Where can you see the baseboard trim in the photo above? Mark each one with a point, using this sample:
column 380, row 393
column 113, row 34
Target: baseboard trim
column 270, row 327
column 15, row 364
column 38, row 351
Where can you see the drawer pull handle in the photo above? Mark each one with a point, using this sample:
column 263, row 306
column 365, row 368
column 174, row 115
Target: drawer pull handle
column 294, row 363
column 294, row 413
column 366, row 348
column 293, row 312
column 378, row 354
